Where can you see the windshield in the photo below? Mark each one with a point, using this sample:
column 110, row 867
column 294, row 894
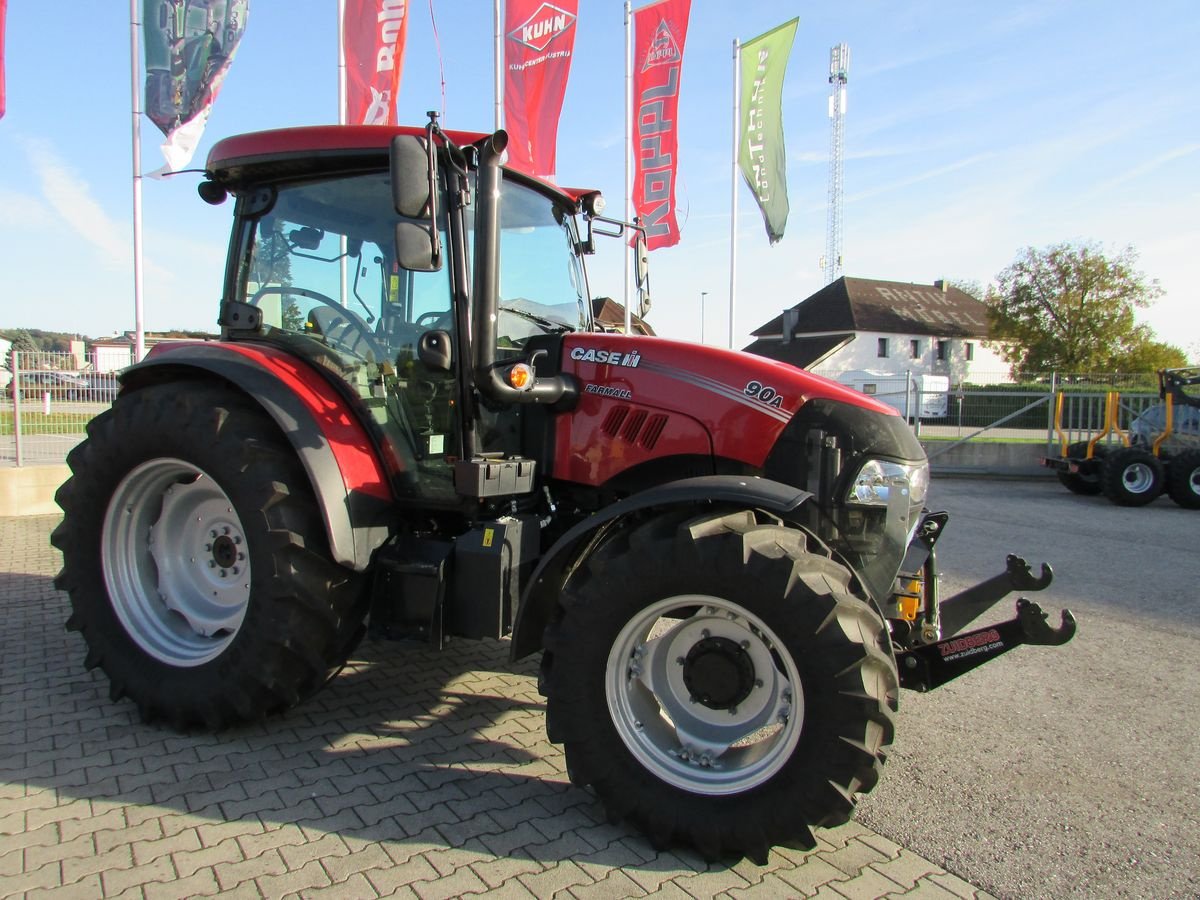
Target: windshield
column 542, row 286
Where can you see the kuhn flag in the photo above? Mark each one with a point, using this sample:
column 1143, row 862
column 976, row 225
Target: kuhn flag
column 189, row 48
column 761, row 154
column 373, row 37
column 660, row 30
column 539, row 42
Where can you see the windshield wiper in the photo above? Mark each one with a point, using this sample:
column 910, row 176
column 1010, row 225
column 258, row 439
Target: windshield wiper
column 551, row 326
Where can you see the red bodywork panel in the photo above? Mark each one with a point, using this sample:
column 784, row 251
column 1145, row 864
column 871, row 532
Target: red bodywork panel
column 644, row 398
column 361, row 469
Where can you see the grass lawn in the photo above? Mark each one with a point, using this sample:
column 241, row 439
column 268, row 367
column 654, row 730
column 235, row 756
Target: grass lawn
column 40, row 423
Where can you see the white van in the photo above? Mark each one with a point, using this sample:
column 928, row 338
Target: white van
column 929, row 397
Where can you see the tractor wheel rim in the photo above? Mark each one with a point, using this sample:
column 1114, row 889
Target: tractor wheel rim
column 1137, row 478
column 176, row 562
column 711, row 703
column 1194, row 481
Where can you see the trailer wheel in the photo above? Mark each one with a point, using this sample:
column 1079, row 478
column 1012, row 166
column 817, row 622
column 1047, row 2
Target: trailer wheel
column 718, row 683
column 1087, row 484
column 1183, row 485
column 196, row 560
column 1132, row 476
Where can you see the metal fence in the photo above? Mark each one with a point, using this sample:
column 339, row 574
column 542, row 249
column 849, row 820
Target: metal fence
column 48, row 399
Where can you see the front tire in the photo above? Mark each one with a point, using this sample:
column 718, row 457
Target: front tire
column 196, row 561
column 1132, row 477
column 1184, row 483
column 718, row 683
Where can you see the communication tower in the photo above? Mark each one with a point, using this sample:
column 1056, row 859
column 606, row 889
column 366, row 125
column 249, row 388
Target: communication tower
column 839, row 66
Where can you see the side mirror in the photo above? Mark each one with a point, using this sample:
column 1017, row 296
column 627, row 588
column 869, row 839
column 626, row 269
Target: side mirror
column 417, row 247
column 414, row 172
column 413, row 165
column 434, row 350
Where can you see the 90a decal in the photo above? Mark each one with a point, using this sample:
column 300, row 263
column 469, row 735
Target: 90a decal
column 756, row 390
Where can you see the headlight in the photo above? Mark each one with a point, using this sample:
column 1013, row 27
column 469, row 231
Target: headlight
column 876, row 479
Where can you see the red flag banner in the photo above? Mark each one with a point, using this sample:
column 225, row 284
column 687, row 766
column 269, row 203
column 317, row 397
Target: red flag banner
column 538, row 46
column 373, row 37
column 659, row 32
column 189, row 46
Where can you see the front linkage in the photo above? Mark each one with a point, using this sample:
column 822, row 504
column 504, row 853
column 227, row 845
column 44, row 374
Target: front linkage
column 930, row 660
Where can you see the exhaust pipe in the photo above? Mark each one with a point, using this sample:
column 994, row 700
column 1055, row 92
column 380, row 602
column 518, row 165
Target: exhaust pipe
column 485, row 290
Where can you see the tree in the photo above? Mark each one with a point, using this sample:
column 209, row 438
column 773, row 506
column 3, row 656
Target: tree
column 1150, row 356
column 1070, row 307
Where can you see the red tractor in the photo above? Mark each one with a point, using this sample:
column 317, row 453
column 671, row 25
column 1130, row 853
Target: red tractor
column 411, row 426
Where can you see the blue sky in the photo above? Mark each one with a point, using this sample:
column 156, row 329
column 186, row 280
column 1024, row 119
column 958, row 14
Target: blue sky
column 973, row 130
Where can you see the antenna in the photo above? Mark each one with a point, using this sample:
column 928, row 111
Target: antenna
column 839, row 66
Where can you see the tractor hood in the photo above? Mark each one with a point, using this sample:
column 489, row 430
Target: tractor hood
column 742, row 401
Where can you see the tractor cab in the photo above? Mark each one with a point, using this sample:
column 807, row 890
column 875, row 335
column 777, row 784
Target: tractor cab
column 323, row 262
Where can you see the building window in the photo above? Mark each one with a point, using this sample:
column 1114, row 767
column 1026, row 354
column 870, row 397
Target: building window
column 882, row 351
column 868, row 388
column 969, row 350
column 915, row 348
column 941, row 349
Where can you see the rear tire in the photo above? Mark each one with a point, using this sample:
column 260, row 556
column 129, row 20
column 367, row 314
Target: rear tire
column 1132, row 477
column 1078, row 482
column 195, row 557
column 718, row 684
column 1184, row 482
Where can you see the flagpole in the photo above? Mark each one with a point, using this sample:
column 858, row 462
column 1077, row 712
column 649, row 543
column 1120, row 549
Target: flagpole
column 499, row 53
column 341, row 58
column 139, row 345
column 342, row 115
column 628, row 146
column 733, row 194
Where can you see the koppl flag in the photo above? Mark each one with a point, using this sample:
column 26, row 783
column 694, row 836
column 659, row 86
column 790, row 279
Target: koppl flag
column 189, row 48
column 373, row 37
column 761, row 154
column 660, row 30
column 539, row 42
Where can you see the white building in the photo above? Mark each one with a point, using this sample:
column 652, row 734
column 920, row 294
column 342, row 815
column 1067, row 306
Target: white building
column 858, row 328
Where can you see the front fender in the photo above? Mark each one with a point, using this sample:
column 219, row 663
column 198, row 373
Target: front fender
column 347, row 477
column 555, row 568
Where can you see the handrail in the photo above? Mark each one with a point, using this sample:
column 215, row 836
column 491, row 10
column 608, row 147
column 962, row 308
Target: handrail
column 1058, row 407
column 1170, row 426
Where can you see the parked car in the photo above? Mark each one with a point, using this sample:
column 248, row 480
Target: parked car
column 60, row 385
column 103, row 386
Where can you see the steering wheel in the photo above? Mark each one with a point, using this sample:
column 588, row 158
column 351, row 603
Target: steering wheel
column 433, row 319
column 341, row 326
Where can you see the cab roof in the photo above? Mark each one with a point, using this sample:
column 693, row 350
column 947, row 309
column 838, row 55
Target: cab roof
column 319, row 149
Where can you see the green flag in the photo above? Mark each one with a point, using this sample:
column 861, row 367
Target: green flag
column 761, row 155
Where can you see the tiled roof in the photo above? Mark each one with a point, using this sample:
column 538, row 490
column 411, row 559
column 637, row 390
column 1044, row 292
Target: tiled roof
column 892, row 307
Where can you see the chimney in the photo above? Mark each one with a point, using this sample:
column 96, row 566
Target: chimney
column 941, row 285
column 790, row 318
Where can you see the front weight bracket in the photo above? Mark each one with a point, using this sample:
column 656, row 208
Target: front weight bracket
column 926, row 667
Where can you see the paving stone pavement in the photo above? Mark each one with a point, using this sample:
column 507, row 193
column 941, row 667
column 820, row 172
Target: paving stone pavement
column 414, row 774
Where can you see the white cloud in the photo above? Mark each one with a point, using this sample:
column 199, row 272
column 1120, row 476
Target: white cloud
column 69, row 195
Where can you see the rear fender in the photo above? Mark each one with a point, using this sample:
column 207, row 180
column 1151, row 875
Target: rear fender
column 539, row 598
column 347, row 476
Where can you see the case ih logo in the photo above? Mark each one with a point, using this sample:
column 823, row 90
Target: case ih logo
column 542, row 27
column 664, row 49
